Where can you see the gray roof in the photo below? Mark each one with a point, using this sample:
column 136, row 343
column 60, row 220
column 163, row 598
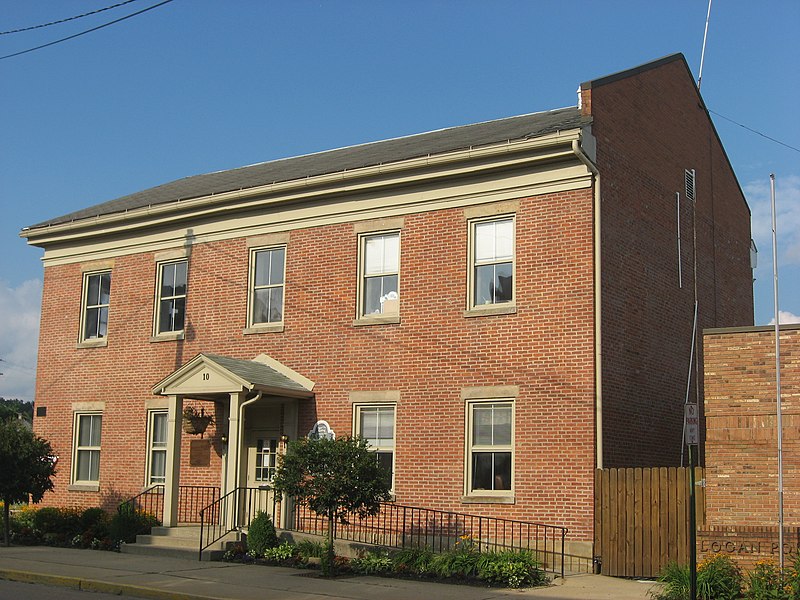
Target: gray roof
column 342, row 159
column 256, row 373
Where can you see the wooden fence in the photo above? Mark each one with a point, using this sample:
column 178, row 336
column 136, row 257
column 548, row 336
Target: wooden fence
column 642, row 518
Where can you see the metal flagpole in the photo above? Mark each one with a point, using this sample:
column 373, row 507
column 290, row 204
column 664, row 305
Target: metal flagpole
column 779, row 423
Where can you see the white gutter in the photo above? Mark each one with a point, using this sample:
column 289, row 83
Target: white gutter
column 598, row 349
column 240, row 426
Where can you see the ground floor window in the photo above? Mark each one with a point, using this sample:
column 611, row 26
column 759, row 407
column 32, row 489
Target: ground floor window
column 490, row 446
column 86, row 459
column 375, row 423
column 157, row 447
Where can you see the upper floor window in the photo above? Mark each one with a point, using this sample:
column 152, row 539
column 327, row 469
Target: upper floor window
column 492, row 262
column 379, row 289
column 86, row 457
column 96, row 297
column 375, row 424
column 171, row 297
column 267, row 267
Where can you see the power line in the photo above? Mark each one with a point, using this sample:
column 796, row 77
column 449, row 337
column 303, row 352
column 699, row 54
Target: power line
column 94, row 12
column 754, row 131
column 87, row 31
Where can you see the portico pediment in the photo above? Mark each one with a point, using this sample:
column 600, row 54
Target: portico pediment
column 208, row 375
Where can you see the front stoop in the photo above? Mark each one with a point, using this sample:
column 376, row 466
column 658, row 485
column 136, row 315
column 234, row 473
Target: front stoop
column 178, row 542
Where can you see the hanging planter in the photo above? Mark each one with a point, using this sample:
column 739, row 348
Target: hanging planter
column 195, row 422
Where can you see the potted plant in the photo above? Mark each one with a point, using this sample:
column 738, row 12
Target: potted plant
column 194, row 421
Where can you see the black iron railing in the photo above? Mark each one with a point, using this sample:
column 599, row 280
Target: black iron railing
column 398, row 526
column 191, row 499
column 235, row 510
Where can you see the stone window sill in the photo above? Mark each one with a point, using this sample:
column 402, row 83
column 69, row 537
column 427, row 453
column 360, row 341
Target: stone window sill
column 93, row 343
column 167, row 337
column 271, row 328
column 485, row 310
column 487, row 499
column 84, row 487
column 380, row 320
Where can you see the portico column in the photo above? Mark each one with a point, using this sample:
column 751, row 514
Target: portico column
column 235, row 457
column 173, row 467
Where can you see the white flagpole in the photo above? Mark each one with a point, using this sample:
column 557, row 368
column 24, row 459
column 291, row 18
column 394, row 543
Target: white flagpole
column 779, row 423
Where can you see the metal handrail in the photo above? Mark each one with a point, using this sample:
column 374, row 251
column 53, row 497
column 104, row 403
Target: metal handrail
column 399, row 526
column 190, row 499
column 145, row 498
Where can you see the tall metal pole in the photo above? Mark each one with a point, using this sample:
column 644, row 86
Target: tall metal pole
column 779, row 423
column 692, row 524
column 703, row 53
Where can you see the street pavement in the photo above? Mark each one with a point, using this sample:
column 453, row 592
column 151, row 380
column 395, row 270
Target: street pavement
column 183, row 579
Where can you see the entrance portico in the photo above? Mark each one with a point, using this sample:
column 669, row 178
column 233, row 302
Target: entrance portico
column 233, row 385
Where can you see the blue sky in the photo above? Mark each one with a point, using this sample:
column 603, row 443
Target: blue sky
column 203, row 85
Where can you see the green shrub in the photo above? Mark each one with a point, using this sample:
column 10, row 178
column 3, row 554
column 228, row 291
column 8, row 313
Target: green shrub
column 718, row 578
column 57, row 526
column 413, row 560
column 126, row 525
column 95, row 524
column 461, row 564
column 676, row 582
column 261, row 535
column 280, row 554
column 510, row 569
column 310, row 549
column 373, row 563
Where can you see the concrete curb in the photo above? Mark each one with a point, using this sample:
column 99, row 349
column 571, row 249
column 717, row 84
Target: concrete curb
column 93, row 585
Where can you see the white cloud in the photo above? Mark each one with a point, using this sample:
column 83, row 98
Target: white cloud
column 787, row 203
column 786, row 317
column 19, row 338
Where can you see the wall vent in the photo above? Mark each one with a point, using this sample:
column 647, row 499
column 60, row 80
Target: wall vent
column 689, row 179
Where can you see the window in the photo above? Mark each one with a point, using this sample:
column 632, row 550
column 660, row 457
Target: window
column 87, row 448
column 157, row 447
column 171, row 309
column 491, row 454
column 380, row 268
column 492, row 262
column 375, row 424
column 266, row 454
column 97, row 292
column 266, row 289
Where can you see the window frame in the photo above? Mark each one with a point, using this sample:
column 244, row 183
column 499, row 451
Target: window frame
column 173, row 333
column 151, row 415
column 77, row 449
column 470, row 447
column 252, row 326
column 362, row 317
column 506, row 307
column 99, row 340
column 358, row 409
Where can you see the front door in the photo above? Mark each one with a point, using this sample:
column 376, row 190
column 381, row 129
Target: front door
column 262, row 460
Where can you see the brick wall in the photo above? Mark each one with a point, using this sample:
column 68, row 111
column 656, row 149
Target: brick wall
column 650, row 126
column 546, row 348
column 748, row 544
column 741, row 441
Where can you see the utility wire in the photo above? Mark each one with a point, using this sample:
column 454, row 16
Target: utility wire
column 94, row 12
column 85, row 32
column 754, row 131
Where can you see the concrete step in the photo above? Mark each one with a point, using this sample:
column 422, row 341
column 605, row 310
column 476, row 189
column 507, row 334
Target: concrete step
column 178, row 542
column 169, row 552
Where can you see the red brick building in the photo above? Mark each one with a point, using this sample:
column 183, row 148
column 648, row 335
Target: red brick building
column 742, row 441
column 499, row 308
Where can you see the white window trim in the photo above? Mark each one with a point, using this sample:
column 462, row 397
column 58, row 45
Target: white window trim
column 473, row 309
column 148, row 478
column 83, row 484
column 83, row 341
column 273, row 326
column 357, row 408
column 365, row 319
column 178, row 333
column 488, row 496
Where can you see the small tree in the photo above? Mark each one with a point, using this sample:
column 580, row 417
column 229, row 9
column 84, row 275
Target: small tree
column 335, row 479
column 26, row 468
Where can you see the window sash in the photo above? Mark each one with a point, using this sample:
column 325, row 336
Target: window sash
column 380, row 274
column 266, row 459
column 492, row 261
column 267, row 285
column 172, row 296
column 157, row 451
column 87, row 447
column 491, row 447
column 376, row 425
column 96, row 300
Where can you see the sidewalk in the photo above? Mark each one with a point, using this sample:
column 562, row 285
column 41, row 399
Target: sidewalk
column 180, row 579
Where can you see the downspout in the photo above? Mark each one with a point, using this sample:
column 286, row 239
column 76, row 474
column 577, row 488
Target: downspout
column 598, row 352
column 240, row 426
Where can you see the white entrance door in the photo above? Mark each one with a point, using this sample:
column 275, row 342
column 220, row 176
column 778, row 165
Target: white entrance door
column 262, row 460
